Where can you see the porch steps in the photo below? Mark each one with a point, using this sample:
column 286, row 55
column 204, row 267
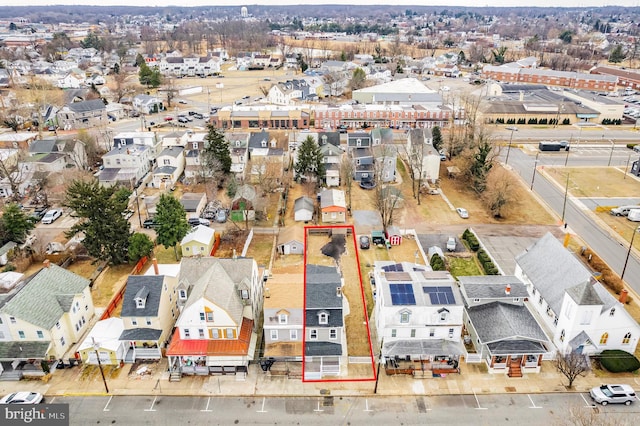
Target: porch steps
column 515, row 370
column 11, row 376
column 175, row 376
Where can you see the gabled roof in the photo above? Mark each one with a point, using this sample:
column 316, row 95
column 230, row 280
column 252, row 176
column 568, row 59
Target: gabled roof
column 201, row 234
column 86, row 106
column 492, row 287
column 191, row 200
column 503, row 321
column 584, row 294
column 332, row 197
column 552, row 269
column 216, row 280
column 291, row 234
column 322, row 348
column 45, row 296
column 321, row 285
column 303, row 203
column 152, row 286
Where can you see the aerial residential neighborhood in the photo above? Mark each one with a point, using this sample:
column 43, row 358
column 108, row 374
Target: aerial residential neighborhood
column 391, row 205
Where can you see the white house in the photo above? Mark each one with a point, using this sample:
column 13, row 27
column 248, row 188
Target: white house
column 126, row 165
column 422, row 154
column 418, row 317
column 581, row 314
column 171, row 164
column 303, row 209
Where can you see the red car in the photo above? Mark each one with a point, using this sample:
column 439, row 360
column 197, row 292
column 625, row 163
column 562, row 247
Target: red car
column 168, row 118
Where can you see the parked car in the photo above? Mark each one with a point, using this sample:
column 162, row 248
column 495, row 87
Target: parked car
column 127, row 214
column 613, row 394
column 182, row 101
column 221, row 216
column 622, row 210
column 38, row 214
column 182, row 120
column 149, row 223
column 51, row 216
column 198, row 116
column 22, row 398
column 451, row 244
column 365, row 242
column 168, row 118
column 462, row 212
column 195, row 221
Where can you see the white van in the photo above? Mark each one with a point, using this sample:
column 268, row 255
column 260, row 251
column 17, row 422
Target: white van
column 636, row 148
column 634, row 215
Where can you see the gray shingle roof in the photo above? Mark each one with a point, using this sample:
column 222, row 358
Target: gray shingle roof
column 303, row 202
column 85, row 106
column 517, row 346
column 322, row 348
column 584, row 294
column 140, row 334
column 46, row 295
column 492, row 286
column 312, row 318
column 552, row 269
column 216, row 280
column 23, row 350
column 139, row 285
column 322, row 282
column 501, row 321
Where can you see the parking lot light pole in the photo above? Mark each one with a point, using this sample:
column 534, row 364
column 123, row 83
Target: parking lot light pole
column 626, row 260
column 566, row 192
column 535, row 165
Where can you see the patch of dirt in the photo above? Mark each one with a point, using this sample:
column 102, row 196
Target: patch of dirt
column 334, row 248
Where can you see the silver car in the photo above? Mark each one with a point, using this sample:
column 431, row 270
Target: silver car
column 613, row 394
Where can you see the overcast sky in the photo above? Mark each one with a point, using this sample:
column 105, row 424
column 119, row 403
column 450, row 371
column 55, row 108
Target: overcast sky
column 403, row 4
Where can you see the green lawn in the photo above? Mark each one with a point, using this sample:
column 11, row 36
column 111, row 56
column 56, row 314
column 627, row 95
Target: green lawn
column 464, row 266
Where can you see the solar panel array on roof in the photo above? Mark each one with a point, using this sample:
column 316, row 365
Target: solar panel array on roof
column 402, row 294
column 440, row 295
column 393, row 268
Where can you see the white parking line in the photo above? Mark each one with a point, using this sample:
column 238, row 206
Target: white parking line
column 588, row 405
column 533, row 404
column 152, row 404
column 107, row 404
column 318, row 410
column 52, row 399
column 262, row 410
column 366, row 405
column 206, row 409
column 478, row 402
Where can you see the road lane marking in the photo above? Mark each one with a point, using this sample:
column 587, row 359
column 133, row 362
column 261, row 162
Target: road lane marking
column 152, row 404
column 366, row 405
column 318, row 410
column 478, row 402
column 533, row 404
column 52, row 399
column 587, row 402
column 206, row 409
column 262, row 410
column 107, row 404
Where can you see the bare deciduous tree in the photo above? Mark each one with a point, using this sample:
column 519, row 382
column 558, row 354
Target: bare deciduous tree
column 346, row 177
column 572, row 365
column 499, row 195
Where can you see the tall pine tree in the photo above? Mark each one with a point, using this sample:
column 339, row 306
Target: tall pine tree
column 310, row 162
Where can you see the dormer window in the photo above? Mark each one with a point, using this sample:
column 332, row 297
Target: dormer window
column 323, row 318
column 405, row 316
column 141, row 297
column 238, row 143
column 140, row 303
column 283, row 318
column 264, row 144
column 182, row 294
column 444, row 314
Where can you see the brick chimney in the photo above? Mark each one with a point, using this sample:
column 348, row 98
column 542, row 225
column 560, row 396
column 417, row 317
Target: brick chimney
column 507, row 289
column 46, row 263
column 623, row 296
column 156, row 270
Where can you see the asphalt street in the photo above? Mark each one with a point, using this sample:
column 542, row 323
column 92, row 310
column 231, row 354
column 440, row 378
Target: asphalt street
column 602, row 241
column 504, row 409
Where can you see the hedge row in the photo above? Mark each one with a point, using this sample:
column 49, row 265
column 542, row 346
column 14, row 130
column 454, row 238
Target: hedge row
column 487, row 263
column 608, row 277
column 471, row 240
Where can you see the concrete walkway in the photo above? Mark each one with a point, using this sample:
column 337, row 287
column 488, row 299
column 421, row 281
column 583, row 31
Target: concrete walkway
column 472, row 379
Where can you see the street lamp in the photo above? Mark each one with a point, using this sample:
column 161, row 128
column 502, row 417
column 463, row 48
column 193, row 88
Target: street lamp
column 96, row 346
column 626, row 260
column 220, row 86
column 611, row 153
column 535, row 164
column 513, row 129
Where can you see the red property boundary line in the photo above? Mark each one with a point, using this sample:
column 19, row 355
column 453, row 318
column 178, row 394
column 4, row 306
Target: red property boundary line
column 364, row 307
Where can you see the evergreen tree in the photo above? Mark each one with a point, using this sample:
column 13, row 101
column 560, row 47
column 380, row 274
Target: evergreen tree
column 140, row 245
column 436, row 134
column 216, row 151
column 15, row 224
column 310, row 163
column 481, row 165
column 617, row 54
column 172, row 222
column 106, row 231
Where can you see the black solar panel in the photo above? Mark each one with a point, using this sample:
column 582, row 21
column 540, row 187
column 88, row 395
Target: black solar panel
column 402, row 294
column 440, row 295
column 393, row 268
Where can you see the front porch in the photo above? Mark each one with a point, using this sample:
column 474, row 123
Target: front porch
column 430, row 358
column 24, row 359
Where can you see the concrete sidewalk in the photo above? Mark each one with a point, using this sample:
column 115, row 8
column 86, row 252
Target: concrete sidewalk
column 472, row 379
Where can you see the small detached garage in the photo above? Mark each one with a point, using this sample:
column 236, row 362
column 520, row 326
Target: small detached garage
column 291, row 241
column 104, row 338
